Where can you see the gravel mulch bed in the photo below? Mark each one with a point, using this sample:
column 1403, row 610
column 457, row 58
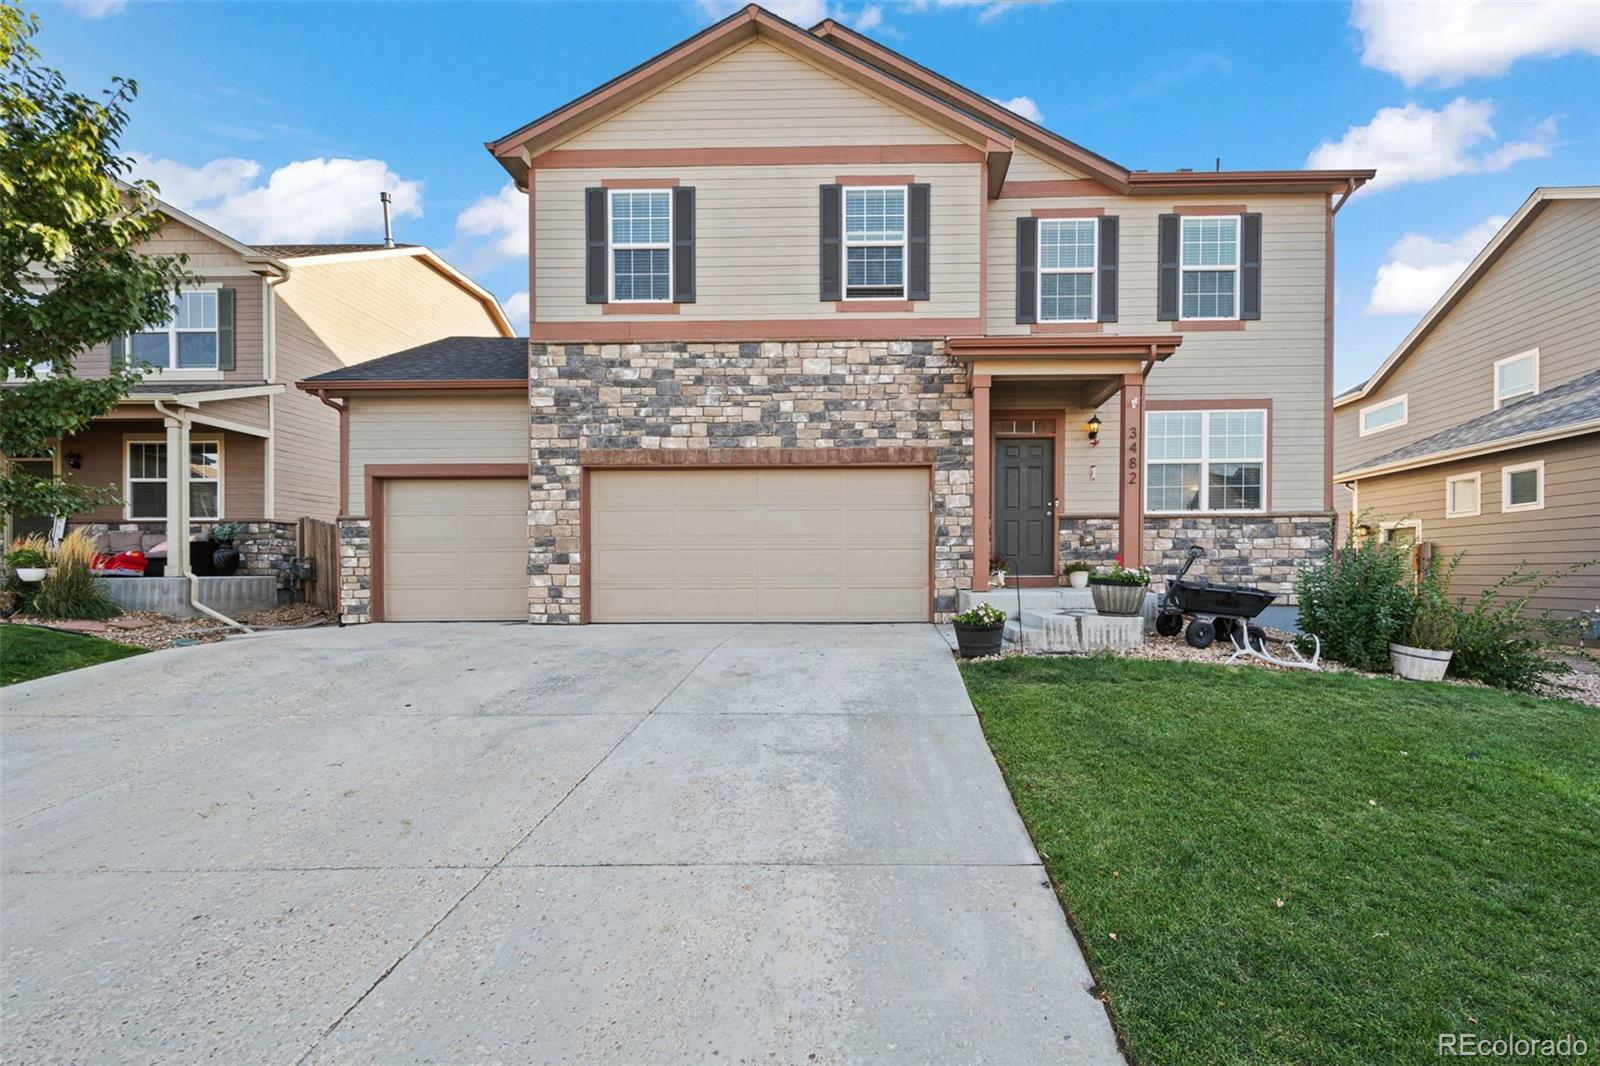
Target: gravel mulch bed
column 145, row 630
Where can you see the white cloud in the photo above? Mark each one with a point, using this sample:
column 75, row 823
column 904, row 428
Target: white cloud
column 805, row 13
column 1414, row 143
column 307, row 200
column 1420, row 269
column 1450, row 42
column 870, row 18
column 501, row 218
column 516, row 309
column 988, row 10
column 98, row 9
column 1022, row 105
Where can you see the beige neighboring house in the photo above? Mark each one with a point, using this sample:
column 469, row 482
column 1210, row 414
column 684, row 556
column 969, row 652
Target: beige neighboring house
column 817, row 333
column 259, row 452
column 1481, row 433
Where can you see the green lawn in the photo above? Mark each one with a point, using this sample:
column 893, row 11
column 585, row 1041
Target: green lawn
column 27, row 652
column 1436, row 852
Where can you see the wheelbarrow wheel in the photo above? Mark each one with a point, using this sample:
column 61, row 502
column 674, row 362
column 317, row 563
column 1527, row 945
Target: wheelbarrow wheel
column 1200, row 634
column 1224, row 627
column 1169, row 625
column 1257, row 637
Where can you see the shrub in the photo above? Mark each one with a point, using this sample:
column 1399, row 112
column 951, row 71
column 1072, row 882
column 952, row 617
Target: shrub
column 1434, row 619
column 983, row 616
column 1120, row 575
column 1358, row 601
column 28, row 552
column 1496, row 645
column 1077, row 568
column 73, row 591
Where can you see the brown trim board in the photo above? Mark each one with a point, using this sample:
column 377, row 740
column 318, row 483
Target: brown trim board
column 911, row 327
column 755, row 156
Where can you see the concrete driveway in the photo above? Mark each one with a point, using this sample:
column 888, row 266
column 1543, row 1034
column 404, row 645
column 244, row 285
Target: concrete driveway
column 502, row 843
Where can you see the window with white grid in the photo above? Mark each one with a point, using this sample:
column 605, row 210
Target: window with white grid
column 1067, row 269
column 147, row 471
column 874, row 244
column 1205, row 460
column 1209, row 259
column 186, row 341
column 641, row 245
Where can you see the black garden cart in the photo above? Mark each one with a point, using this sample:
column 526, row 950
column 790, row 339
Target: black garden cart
column 1217, row 610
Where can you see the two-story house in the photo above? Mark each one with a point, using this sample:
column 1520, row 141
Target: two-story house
column 1481, row 432
column 817, row 333
column 217, row 385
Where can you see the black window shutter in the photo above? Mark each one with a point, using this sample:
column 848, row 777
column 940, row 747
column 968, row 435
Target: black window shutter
column 596, row 286
column 119, row 351
column 1108, row 268
column 1167, row 269
column 1027, row 269
column 225, row 330
column 918, row 205
column 830, row 221
column 683, row 244
column 1250, row 266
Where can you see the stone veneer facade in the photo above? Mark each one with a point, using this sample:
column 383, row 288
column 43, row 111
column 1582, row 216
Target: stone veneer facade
column 787, row 400
column 1268, row 550
column 262, row 545
column 355, row 570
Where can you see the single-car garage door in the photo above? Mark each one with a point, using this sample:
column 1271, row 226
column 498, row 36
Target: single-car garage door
column 455, row 550
column 830, row 544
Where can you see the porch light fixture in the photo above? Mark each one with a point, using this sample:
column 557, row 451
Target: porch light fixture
column 74, row 461
column 1094, row 431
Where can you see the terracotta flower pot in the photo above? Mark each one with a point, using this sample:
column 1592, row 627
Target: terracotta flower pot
column 1117, row 599
column 1418, row 664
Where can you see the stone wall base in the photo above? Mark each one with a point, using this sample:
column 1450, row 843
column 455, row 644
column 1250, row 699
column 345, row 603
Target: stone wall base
column 355, row 571
column 262, row 545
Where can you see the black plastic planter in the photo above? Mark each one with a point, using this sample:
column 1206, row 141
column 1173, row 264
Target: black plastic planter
column 977, row 641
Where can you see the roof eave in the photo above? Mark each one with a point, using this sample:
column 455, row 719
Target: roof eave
column 1469, row 451
column 410, row 385
column 1326, row 182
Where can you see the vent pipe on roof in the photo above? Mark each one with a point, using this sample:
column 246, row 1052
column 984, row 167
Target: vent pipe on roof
column 388, row 230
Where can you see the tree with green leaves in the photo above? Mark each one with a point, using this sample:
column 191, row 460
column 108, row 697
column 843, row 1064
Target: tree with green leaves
column 71, row 223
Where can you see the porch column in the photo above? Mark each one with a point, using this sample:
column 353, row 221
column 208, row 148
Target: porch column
column 1130, row 510
column 982, row 478
column 177, row 497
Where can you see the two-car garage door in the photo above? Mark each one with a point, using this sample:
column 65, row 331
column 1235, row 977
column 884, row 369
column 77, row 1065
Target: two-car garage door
column 823, row 544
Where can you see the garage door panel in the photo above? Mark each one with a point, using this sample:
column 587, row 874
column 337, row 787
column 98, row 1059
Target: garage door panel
column 766, row 544
column 455, row 549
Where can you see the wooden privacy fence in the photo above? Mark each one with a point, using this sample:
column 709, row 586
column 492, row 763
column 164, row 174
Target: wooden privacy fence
column 319, row 540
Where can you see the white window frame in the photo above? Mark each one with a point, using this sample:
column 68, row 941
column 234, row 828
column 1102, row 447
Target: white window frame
column 129, row 440
column 845, row 243
column 1093, row 270
column 1386, row 528
column 1205, row 460
column 1404, row 400
column 1499, row 400
column 1238, row 252
column 1506, row 506
column 613, row 247
column 171, row 368
column 1476, row 477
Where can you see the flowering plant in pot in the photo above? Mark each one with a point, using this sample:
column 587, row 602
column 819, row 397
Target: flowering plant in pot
column 1423, row 653
column 225, row 557
column 1119, row 590
column 1078, row 574
column 980, row 631
column 999, row 569
column 29, row 558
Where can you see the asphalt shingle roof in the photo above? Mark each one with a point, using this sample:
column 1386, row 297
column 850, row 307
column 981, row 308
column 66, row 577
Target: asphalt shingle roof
column 295, row 251
column 174, row 388
column 1572, row 404
column 450, row 359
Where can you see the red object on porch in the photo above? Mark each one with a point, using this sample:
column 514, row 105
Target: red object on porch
column 127, row 562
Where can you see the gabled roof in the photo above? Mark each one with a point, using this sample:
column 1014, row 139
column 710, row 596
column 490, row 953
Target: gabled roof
column 323, row 254
column 454, row 362
column 258, row 258
column 1562, row 411
column 1491, row 254
column 299, row 251
column 516, row 149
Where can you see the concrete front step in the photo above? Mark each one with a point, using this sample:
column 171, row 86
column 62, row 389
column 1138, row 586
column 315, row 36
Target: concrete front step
column 1045, row 599
column 1081, row 630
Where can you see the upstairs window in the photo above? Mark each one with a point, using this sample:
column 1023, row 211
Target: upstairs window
column 1386, row 414
column 1516, row 378
column 641, row 246
column 1206, row 461
column 188, row 339
column 1067, row 270
column 875, row 244
column 1209, row 264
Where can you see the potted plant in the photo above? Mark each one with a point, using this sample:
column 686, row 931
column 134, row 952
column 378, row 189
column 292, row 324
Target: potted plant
column 29, row 560
column 980, row 631
column 1119, row 590
column 226, row 557
column 1424, row 655
column 998, row 571
column 1078, row 574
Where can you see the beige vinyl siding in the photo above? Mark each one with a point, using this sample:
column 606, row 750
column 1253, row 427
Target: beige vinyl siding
column 457, row 427
column 1543, row 292
column 250, row 411
column 1025, row 166
column 1562, row 533
column 1281, row 357
column 337, row 314
column 757, row 95
column 756, row 240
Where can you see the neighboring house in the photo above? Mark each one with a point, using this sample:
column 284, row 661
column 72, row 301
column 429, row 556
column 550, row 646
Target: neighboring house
column 261, row 317
column 1481, row 433
column 816, row 333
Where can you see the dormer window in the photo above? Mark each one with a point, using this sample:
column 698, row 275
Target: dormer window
column 875, row 243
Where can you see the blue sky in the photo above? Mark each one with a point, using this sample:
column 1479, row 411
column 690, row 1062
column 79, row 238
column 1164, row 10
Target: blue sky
column 282, row 120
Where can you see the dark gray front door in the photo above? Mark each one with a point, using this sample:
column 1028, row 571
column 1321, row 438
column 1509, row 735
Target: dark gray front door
column 1024, row 507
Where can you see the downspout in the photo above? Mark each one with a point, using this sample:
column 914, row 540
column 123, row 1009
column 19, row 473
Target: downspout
column 344, row 448
column 1349, row 190
column 174, row 464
